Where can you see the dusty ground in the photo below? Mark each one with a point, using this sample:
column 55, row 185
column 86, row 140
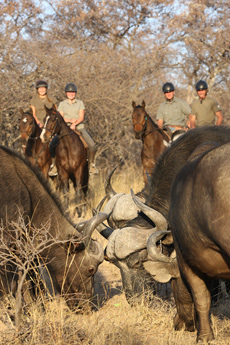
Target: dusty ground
column 108, row 284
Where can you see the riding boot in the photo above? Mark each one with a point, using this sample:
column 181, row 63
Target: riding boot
column 53, row 169
column 92, row 167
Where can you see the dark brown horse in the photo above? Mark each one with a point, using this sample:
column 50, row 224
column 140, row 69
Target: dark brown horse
column 71, row 155
column 154, row 139
column 35, row 151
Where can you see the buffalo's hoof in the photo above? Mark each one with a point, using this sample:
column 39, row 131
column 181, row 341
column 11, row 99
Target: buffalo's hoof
column 205, row 338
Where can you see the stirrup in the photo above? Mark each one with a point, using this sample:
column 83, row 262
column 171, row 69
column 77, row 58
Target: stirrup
column 93, row 169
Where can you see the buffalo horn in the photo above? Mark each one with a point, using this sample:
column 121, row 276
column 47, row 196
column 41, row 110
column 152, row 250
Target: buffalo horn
column 158, row 219
column 99, row 206
column 152, row 249
column 109, row 191
column 91, row 224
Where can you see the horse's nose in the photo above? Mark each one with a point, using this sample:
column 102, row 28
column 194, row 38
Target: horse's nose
column 138, row 127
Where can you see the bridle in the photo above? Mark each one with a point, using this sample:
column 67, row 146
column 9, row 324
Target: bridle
column 53, row 130
column 33, row 128
column 144, row 127
column 141, row 125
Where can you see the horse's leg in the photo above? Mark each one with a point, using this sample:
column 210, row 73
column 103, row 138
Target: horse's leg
column 79, row 189
column 45, row 170
column 63, row 184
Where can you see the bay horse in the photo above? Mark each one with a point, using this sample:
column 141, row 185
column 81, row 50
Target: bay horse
column 155, row 141
column 33, row 148
column 71, row 155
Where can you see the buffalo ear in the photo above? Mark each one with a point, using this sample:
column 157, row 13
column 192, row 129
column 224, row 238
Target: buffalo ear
column 74, row 246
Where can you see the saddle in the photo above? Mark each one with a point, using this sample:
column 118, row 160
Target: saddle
column 82, row 139
column 80, row 136
column 175, row 133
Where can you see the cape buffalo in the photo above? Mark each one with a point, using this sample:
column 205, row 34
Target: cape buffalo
column 158, row 199
column 70, row 263
column 120, row 207
column 199, row 218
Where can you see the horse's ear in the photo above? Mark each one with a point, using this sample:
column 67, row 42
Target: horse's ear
column 143, row 104
column 133, row 104
column 31, row 111
column 21, row 111
column 54, row 107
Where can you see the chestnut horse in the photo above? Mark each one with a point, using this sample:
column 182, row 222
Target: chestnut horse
column 35, row 151
column 71, row 155
column 155, row 141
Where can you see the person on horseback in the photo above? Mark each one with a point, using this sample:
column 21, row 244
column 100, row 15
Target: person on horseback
column 173, row 112
column 72, row 110
column 37, row 104
column 39, row 100
column 205, row 110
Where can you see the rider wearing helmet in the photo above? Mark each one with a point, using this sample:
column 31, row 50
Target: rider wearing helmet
column 205, row 110
column 73, row 109
column 39, row 100
column 173, row 112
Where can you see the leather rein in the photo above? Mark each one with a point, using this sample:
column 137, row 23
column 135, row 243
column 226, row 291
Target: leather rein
column 53, row 131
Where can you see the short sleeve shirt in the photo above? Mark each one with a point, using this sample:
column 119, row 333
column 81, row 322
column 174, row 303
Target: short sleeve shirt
column 205, row 111
column 71, row 110
column 173, row 113
column 39, row 104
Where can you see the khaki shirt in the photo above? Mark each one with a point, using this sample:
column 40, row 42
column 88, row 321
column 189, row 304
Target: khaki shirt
column 205, row 111
column 39, row 104
column 174, row 113
column 71, row 110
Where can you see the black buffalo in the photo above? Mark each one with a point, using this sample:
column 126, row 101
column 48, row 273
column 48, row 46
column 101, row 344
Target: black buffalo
column 71, row 264
column 172, row 160
column 158, row 199
column 199, row 219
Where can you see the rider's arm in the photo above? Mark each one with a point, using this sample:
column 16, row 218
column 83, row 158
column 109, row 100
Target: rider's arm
column 34, row 115
column 192, row 121
column 75, row 122
column 160, row 123
column 80, row 118
column 219, row 118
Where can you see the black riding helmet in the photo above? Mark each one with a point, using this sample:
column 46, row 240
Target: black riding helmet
column 41, row 83
column 70, row 87
column 168, row 87
column 201, row 85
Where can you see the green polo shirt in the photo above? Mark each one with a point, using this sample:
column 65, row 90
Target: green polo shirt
column 39, row 104
column 205, row 111
column 71, row 110
column 173, row 113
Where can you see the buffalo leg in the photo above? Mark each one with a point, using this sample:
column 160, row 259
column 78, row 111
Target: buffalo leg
column 185, row 315
column 202, row 300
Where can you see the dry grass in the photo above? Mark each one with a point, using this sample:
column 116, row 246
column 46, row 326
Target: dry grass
column 111, row 321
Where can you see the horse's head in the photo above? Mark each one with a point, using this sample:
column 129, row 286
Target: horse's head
column 51, row 124
column 139, row 118
column 27, row 126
